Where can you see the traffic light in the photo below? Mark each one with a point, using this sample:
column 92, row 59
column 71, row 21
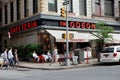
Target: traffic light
column 64, row 36
column 71, row 35
column 63, row 13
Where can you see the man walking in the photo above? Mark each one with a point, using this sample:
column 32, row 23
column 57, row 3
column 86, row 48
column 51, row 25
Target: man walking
column 10, row 57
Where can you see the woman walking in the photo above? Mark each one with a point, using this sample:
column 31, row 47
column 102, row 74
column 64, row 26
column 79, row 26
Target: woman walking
column 16, row 57
column 5, row 59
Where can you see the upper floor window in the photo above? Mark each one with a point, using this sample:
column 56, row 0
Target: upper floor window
column 0, row 16
column 52, row 5
column 97, row 8
column 82, row 7
column 11, row 12
column 18, row 9
column 26, row 8
column 35, row 6
column 109, row 8
column 119, row 8
column 70, row 6
column 6, row 17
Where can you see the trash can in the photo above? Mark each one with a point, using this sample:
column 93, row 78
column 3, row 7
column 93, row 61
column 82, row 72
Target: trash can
column 75, row 58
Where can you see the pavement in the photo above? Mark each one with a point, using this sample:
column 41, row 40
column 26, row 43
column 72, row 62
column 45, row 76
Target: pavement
column 57, row 66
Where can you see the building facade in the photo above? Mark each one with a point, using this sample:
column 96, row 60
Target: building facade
column 24, row 22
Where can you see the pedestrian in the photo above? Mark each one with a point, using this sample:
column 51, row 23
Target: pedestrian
column 49, row 55
column 10, row 57
column 16, row 60
column 5, row 59
column 54, row 55
column 36, row 57
column 98, row 50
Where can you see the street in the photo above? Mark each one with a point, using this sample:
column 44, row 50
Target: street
column 98, row 72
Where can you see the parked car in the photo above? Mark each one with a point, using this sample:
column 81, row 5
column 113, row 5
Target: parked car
column 110, row 54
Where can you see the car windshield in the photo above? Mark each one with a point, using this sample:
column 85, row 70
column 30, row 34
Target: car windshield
column 106, row 50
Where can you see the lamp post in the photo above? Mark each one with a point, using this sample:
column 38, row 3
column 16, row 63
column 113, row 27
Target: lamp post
column 67, row 42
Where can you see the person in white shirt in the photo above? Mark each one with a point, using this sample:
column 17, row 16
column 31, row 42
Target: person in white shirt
column 5, row 59
column 10, row 57
column 36, row 56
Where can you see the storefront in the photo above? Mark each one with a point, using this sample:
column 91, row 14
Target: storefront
column 48, row 32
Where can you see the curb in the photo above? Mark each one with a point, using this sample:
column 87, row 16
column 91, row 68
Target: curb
column 61, row 68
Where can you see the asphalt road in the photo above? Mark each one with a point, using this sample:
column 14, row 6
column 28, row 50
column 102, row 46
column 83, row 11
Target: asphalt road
column 98, row 72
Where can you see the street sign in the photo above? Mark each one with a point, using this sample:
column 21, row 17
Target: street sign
column 66, row 2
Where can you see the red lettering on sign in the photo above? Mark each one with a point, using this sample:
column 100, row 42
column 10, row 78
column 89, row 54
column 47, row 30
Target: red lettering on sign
column 93, row 26
column 88, row 25
column 23, row 27
column 63, row 24
column 83, row 25
column 29, row 26
column 72, row 24
column 77, row 25
column 35, row 24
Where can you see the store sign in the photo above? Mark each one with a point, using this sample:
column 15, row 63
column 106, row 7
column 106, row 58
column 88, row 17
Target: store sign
column 23, row 27
column 82, row 25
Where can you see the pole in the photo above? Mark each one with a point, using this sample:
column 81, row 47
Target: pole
column 67, row 43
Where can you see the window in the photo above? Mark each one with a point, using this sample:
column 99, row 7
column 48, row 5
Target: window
column 6, row 17
column 18, row 9
column 70, row 8
column 35, row 6
column 26, row 9
column 109, row 8
column 106, row 50
column 97, row 8
column 52, row 5
column 0, row 15
column 11, row 12
column 82, row 7
column 118, row 49
column 119, row 8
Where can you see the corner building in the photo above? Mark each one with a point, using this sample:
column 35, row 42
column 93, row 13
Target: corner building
column 24, row 22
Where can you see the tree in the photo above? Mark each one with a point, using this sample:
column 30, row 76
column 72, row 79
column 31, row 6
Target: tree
column 103, row 33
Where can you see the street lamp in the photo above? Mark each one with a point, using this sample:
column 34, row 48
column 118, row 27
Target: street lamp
column 67, row 43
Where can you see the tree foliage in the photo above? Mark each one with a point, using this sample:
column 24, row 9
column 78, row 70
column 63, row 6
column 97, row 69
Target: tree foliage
column 104, row 31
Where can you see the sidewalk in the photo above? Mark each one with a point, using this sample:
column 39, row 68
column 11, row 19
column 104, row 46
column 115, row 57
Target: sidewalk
column 55, row 66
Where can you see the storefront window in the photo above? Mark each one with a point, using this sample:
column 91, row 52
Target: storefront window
column 44, row 41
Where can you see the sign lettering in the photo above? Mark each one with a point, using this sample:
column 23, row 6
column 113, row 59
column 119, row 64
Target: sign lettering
column 23, row 27
column 82, row 25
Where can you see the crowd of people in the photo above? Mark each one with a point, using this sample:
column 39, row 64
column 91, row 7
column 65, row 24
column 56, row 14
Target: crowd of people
column 10, row 58
column 50, row 56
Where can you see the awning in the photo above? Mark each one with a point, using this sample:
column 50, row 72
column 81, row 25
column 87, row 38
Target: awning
column 78, row 36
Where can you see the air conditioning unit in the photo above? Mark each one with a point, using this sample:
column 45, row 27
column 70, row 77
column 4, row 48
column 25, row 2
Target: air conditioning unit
column 117, row 18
